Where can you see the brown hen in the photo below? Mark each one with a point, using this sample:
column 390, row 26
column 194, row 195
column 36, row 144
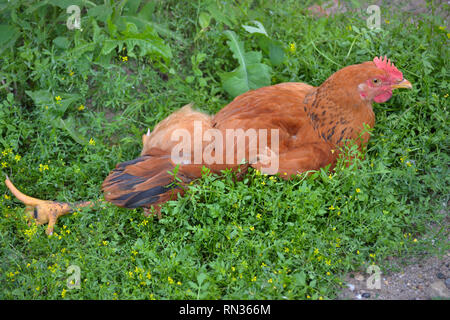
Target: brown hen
column 286, row 128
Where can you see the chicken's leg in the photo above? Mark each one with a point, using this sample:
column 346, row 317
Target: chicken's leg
column 44, row 211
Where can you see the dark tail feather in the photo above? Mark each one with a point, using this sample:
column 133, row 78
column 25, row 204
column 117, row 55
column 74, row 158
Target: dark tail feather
column 142, row 182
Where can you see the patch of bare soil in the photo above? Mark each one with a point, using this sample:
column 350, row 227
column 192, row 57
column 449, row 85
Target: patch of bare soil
column 412, row 7
column 423, row 276
column 423, row 279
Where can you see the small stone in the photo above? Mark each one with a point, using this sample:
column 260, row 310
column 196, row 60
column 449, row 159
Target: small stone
column 351, row 286
column 440, row 275
column 359, row 277
column 439, row 289
column 366, row 295
column 447, row 283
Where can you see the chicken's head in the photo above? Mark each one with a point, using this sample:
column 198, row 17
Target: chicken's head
column 381, row 80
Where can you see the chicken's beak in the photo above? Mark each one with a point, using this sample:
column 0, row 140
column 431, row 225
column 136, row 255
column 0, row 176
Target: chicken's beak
column 402, row 84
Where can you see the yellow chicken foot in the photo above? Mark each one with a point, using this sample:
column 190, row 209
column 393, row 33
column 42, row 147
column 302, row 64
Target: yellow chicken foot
column 44, row 211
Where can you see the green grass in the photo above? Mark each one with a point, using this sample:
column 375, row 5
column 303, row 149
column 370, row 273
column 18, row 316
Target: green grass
column 260, row 238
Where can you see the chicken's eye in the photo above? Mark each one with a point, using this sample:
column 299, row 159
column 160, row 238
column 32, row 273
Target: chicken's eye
column 376, row 81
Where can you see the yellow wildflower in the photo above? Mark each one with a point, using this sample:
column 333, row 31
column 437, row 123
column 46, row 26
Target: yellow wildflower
column 170, row 280
column 58, row 98
column 292, row 47
column 358, row 190
column 7, row 197
column 4, row 164
column 71, row 73
column 442, row 28
column 17, row 158
column 92, row 142
column 63, row 293
column 81, row 107
column 124, row 58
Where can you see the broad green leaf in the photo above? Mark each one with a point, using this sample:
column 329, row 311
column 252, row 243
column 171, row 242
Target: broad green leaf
column 258, row 29
column 61, row 42
column 142, row 23
column 44, row 97
column 132, row 6
column 8, row 36
column 204, row 19
column 219, row 15
column 251, row 73
column 276, row 53
column 40, row 97
column 101, row 13
column 68, row 126
column 108, row 46
column 147, row 11
column 299, row 278
column 64, row 4
column 148, row 41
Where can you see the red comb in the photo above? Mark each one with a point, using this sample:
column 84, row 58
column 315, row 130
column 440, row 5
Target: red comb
column 388, row 66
